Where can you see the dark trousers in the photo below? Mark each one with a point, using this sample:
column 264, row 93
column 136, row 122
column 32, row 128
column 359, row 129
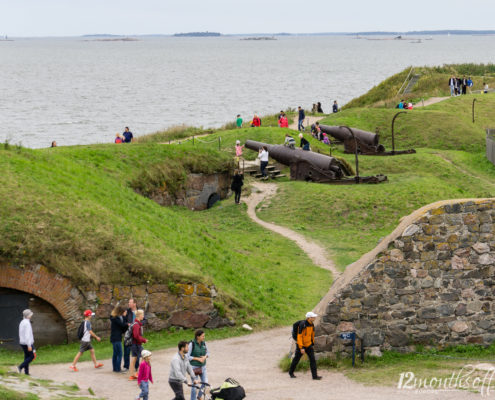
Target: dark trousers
column 312, row 362
column 28, row 357
column 178, row 390
column 237, row 195
column 127, row 355
column 263, row 165
column 117, row 356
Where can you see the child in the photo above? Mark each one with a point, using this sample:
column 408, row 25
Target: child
column 325, row 139
column 238, row 152
column 86, row 342
column 144, row 376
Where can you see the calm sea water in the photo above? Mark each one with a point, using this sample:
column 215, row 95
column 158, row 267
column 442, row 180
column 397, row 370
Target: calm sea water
column 78, row 92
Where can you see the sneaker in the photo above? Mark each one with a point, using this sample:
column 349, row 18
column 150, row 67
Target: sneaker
column 99, row 365
column 292, row 375
column 19, row 370
column 316, row 378
column 125, row 369
column 73, row 368
column 132, row 377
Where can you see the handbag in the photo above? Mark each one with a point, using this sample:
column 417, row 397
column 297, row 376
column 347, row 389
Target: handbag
column 197, row 370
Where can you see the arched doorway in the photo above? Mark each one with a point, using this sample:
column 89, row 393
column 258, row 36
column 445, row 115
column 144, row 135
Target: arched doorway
column 48, row 325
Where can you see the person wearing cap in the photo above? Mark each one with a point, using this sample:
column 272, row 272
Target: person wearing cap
column 305, row 345
column 26, row 340
column 86, row 342
column 144, row 375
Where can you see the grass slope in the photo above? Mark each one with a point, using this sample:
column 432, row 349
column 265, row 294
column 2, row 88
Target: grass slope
column 444, row 125
column 73, row 210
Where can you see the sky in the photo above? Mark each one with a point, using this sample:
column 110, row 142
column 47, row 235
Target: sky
column 131, row 17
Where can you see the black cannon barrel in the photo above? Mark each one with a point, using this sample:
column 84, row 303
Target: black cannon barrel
column 288, row 156
column 369, row 138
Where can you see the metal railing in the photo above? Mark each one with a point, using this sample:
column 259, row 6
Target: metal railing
column 404, row 85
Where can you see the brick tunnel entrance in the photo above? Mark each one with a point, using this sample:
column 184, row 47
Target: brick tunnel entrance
column 48, row 324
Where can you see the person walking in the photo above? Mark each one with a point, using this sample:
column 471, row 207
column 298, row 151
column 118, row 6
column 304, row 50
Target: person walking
column 305, row 345
column 263, row 156
column 86, row 342
column 137, row 343
column 26, row 340
column 128, row 136
column 238, row 152
column 118, row 326
column 130, row 316
column 300, row 119
column 304, row 143
column 238, row 121
column 179, row 367
column 236, row 186
column 144, row 375
column 197, row 355
column 452, row 84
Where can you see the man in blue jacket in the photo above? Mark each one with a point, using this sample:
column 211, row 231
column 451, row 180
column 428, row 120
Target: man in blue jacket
column 300, row 119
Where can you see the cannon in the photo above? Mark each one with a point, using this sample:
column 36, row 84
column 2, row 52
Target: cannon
column 367, row 142
column 312, row 167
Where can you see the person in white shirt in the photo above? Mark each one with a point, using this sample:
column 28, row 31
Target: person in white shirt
column 263, row 156
column 26, row 340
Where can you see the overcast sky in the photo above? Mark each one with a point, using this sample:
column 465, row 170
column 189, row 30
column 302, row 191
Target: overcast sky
column 75, row 17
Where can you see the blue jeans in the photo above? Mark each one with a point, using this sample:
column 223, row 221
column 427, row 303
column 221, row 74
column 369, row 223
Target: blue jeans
column 452, row 90
column 145, row 388
column 202, row 391
column 117, row 356
column 300, row 125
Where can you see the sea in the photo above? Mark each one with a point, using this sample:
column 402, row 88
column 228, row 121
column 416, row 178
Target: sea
column 84, row 90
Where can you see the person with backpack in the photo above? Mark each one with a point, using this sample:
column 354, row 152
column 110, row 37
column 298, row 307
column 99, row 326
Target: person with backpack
column 303, row 332
column 26, row 340
column 179, row 368
column 137, row 342
column 130, row 317
column 197, row 355
column 84, row 333
column 118, row 326
column 236, row 185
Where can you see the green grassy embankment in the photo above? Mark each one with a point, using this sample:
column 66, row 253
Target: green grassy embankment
column 433, row 82
column 73, row 210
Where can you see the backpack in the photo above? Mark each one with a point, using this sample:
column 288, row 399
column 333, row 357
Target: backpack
column 80, row 330
column 128, row 335
column 296, row 327
column 229, row 390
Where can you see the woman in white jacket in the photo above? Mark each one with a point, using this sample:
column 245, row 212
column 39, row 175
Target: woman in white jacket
column 26, row 340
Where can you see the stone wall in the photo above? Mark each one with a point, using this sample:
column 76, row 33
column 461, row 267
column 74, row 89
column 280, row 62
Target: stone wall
column 196, row 192
column 431, row 282
column 188, row 305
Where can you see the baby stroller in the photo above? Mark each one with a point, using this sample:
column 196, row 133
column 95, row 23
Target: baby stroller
column 228, row 390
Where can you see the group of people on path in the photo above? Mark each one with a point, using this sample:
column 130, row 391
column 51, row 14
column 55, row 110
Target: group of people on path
column 127, row 324
column 458, row 86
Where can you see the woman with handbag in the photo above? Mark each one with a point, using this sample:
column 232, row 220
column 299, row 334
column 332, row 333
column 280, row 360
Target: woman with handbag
column 197, row 355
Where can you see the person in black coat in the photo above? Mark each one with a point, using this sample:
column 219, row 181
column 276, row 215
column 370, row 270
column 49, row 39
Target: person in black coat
column 118, row 326
column 236, row 186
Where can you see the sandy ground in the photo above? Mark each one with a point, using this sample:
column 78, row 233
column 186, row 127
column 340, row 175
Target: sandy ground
column 252, row 360
column 430, row 101
column 308, row 121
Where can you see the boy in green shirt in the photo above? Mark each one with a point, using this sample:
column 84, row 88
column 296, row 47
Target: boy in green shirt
column 238, row 122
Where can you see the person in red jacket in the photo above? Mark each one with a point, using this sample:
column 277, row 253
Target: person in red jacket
column 283, row 122
column 137, row 343
column 256, row 122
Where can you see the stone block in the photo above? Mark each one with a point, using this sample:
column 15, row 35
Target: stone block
column 475, row 339
column 324, row 328
column 411, row 230
column 158, row 289
column 321, row 344
column 202, row 290
column 486, row 259
column 188, row 319
column 397, row 338
column 105, row 294
column 373, row 338
column 138, row 291
column 162, row 302
column 196, row 303
column 471, row 219
column 185, row 289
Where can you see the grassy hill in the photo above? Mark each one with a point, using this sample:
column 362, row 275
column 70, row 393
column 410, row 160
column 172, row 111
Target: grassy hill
column 73, row 210
column 433, row 82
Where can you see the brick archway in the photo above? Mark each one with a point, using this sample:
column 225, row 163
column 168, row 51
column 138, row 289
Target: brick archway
column 51, row 287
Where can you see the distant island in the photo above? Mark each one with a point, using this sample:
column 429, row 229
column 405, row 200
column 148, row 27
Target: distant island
column 260, row 38
column 198, row 34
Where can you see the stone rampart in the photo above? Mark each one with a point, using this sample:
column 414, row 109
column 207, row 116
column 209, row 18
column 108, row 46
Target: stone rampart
column 430, row 282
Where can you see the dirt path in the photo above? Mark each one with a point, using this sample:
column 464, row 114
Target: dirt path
column 317, row 254
column 466, row 172
column 308, row 121
column 430, row 101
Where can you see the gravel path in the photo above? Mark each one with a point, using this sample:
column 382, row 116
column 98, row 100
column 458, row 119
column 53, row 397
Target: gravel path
column 308, row 121
column 430, row 101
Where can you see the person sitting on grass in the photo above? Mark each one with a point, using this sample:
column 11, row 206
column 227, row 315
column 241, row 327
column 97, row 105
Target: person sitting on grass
column 289, row 141
column 86, row 342
column 304, row 143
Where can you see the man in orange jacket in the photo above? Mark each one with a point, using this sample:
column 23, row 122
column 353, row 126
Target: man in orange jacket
column 305, row 343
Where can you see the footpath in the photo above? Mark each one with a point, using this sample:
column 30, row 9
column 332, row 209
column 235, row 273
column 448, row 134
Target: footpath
column 252, row 359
